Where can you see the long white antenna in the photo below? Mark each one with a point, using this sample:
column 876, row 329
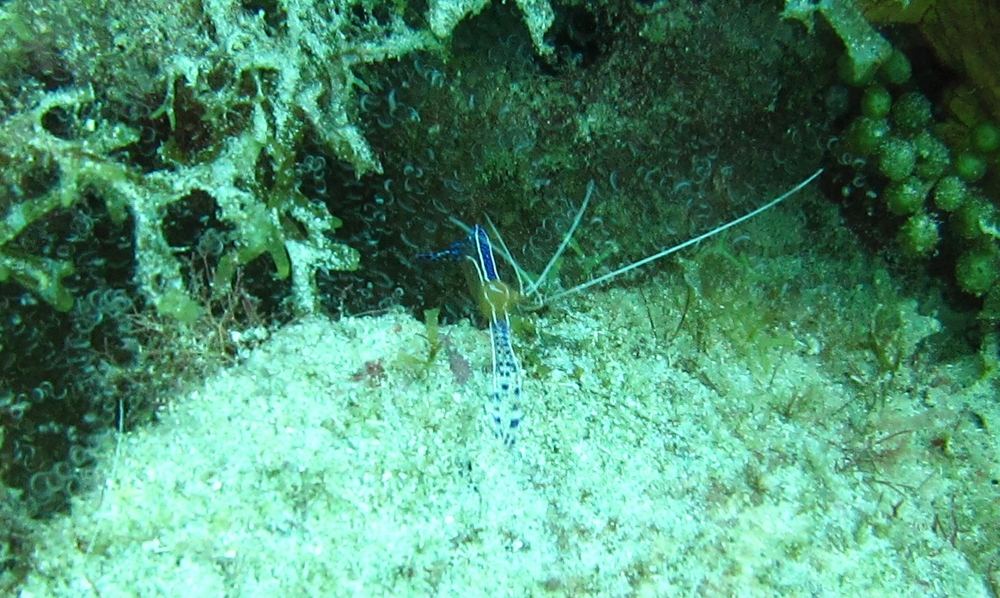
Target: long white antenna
column 565, row 242
column 520, row 272
column 685, row 244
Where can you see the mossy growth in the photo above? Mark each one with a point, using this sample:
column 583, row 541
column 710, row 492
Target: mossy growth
column 969, row 220
column 897, row 329
column 866, row 134
column 919, row 235
column 897, row 69
column 897, row 158
column 876, row 102
column 261, row 236
column 971, row 166
column 178, row 305
column 933, row 156
column 985, row 137
column 905, row 197
column 950, row 193
column 978, row 269
column 41, row 275
column 728, row 311
column 911, row 112
column 434, row 344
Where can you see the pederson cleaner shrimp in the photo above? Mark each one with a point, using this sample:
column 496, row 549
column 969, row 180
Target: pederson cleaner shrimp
column 496, row 298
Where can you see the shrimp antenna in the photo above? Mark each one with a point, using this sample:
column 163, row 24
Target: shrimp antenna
column 676, row 248
column 522, row 274
column 505, row 253
column 533, row 288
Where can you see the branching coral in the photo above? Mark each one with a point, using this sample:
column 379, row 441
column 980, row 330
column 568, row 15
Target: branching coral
column 538, row 16
column 256, row 82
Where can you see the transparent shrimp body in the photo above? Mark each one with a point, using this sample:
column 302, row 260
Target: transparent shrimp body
column 495, row 299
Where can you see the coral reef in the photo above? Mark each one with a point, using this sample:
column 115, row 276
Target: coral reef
column 177, row 179
column 151, row 167
column 732, row 457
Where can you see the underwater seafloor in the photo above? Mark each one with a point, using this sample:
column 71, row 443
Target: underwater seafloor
column 753, row 420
